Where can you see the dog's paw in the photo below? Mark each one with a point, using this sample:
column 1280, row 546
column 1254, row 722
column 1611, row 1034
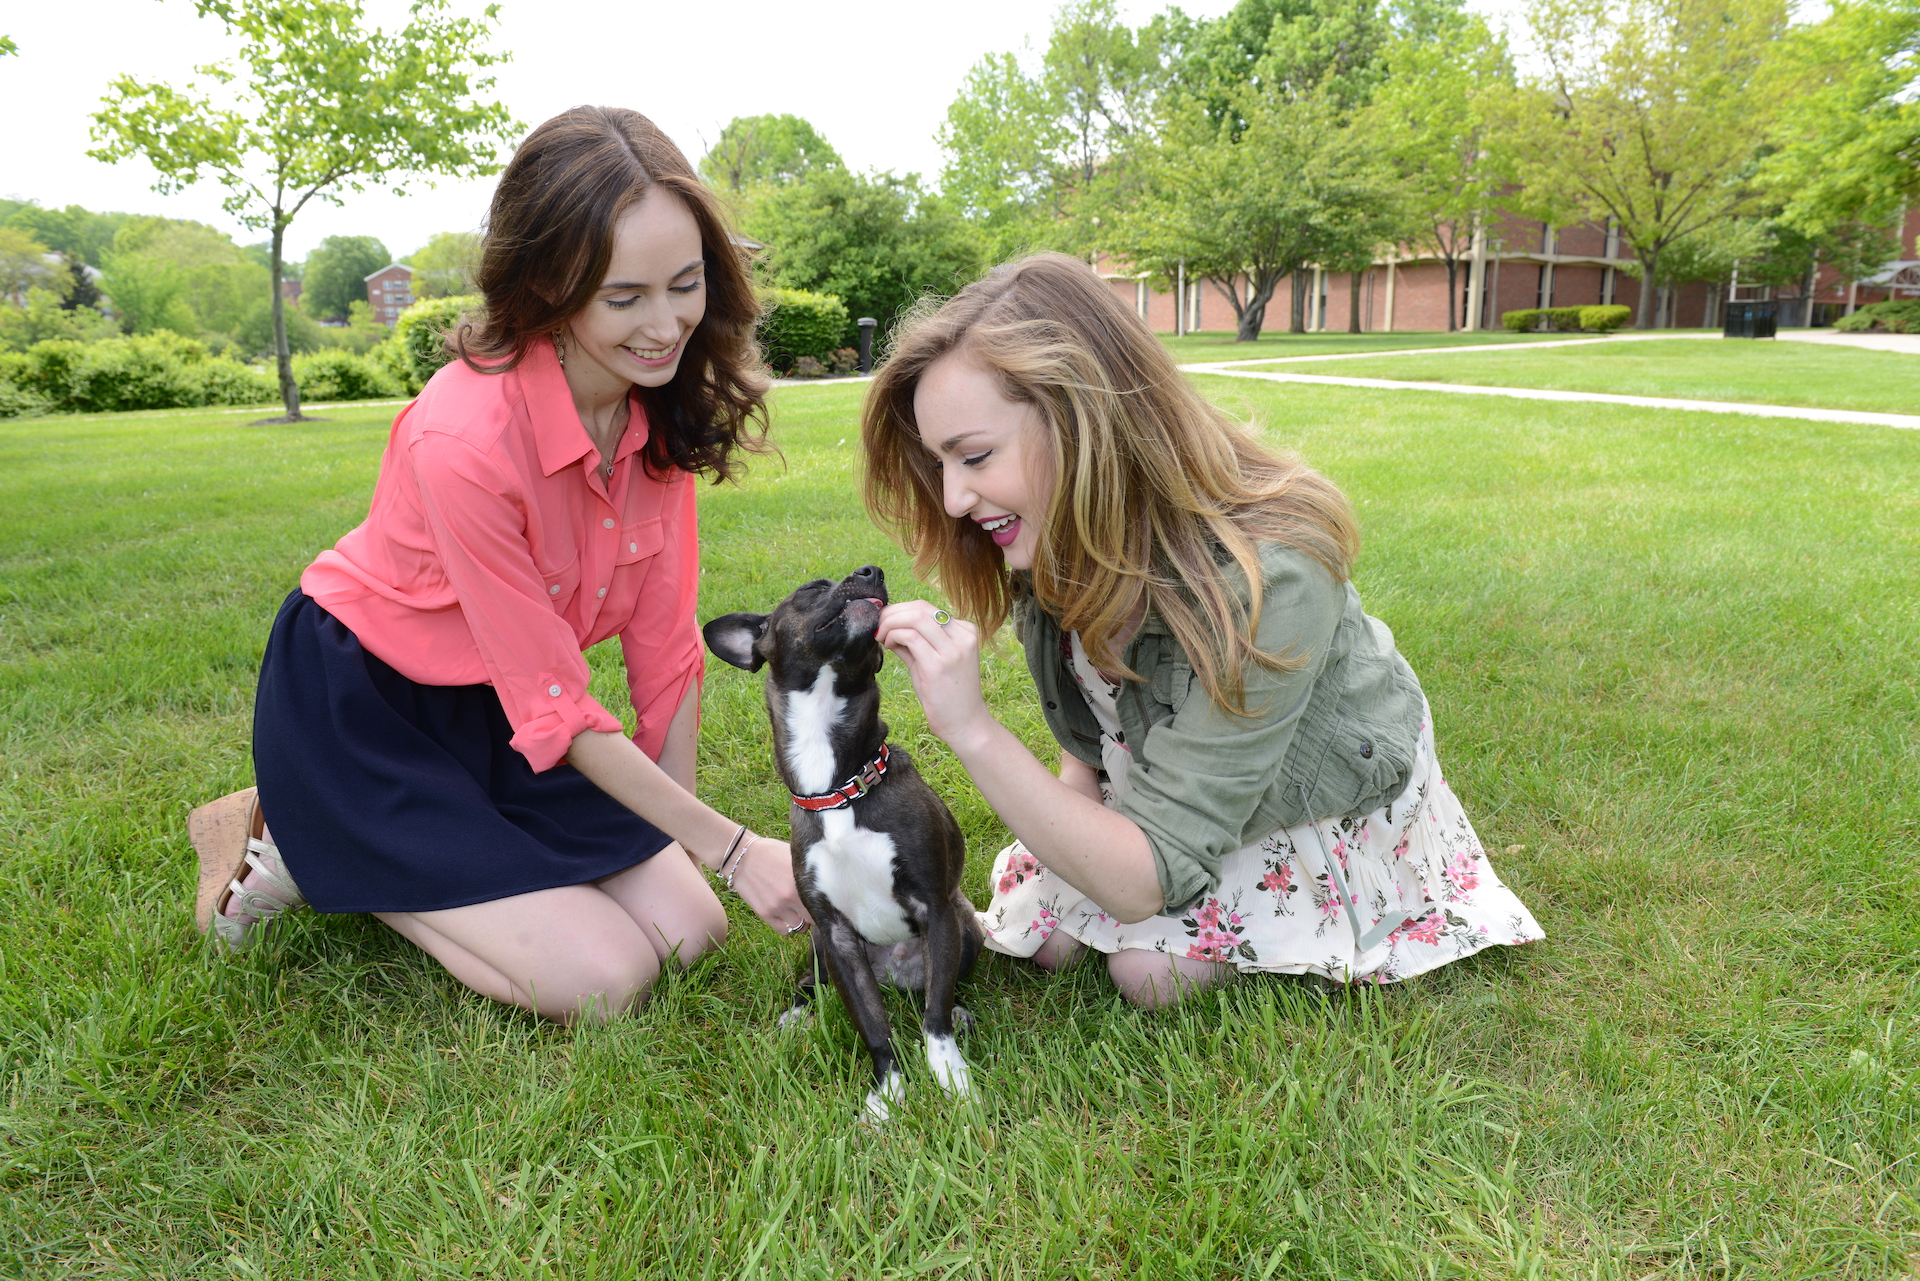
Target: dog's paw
column 876, row 1111
column 949, row 1069
column 963, row 1020
column 794, row 1016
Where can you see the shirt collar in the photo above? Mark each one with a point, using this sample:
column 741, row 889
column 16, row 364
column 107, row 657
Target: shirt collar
column 558, row 434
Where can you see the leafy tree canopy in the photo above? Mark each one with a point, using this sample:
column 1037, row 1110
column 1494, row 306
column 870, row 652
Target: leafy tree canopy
column 336, row 274
column 444, row 266
column 753, row 150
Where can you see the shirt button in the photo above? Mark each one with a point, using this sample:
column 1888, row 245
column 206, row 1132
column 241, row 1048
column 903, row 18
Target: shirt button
column 633, row 547
column 1366, row 750
column 554, row 690
column 603, row 592
column 607, row 523
column 554, row 590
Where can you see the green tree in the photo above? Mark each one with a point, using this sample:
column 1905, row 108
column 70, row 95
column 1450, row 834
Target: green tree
column 146, row 291
column 1273, row 186
column 1848, row 142
column 755, row 150
column 444, row 266
column 336, row 274
column 1024, row 148
column 1432, row 116
column 26, row 264
column 319, row 103
column 213, row 277
column 44, row 316
column 877, row 242
column 1651, row 112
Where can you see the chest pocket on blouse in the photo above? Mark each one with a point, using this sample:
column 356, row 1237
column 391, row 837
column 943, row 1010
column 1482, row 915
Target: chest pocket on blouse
column 639, row 541
column 562, row 583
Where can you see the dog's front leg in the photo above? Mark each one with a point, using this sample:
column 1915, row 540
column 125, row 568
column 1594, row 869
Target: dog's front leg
column 846, row 954
column 946, row 946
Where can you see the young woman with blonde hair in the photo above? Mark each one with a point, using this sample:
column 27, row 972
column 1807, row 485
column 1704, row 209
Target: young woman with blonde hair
column 1247, row 781
column 425, row 743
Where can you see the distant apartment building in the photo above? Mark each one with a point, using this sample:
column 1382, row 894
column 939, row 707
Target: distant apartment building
column 1514, row 264
column 390, row 292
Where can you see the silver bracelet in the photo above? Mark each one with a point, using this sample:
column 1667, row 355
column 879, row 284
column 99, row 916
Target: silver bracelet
column 733, row 847
column 740, row 860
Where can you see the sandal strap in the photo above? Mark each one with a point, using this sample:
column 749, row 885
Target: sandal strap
column 265, row 859
column 262, row 907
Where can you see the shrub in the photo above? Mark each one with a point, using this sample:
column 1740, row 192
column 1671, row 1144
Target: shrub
column 421, row 331
column 16, row 401
column 161, row 370
column 800, row 324
column 1896, row 315
column 845, row 360
column 1522, row 321
column 1604, row 320
column 341, row 375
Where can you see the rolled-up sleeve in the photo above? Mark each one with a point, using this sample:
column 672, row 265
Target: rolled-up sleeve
column 1195, row 782
column 661, row 644
column 477, row 517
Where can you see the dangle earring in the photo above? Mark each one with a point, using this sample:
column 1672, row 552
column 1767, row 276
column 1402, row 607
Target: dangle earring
column 560, row 346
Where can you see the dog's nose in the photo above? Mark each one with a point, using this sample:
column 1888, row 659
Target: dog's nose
column 867, row 574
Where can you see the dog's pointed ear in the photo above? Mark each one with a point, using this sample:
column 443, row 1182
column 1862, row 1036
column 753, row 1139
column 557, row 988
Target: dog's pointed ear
column 733, row 638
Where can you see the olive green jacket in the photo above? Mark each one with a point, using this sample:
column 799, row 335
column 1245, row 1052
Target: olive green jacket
column 1334, row 738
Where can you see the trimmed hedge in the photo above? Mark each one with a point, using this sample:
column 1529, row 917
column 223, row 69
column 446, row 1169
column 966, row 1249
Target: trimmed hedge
column 341, row 375
column 1597, row 320
column 161, row 370
column 801, row 324
column 420, row 338
column 1896, row 315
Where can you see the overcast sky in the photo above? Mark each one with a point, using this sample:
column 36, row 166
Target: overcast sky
column 874, row 78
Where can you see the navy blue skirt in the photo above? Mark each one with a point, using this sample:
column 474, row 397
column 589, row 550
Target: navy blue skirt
column 388, row 796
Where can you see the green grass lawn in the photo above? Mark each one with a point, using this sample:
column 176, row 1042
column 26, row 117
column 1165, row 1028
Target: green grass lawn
column 1768, row 373
column 1671, row 662
column 1276, row 341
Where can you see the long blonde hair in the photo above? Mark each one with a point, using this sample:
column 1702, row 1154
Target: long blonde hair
column 1154, row 484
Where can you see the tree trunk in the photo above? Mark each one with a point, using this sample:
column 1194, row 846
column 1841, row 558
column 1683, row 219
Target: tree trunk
column 1642, row 312
column 1298, row 287
column 283, row 357
column 1453, row 314
column 1254, row 315
column 1806, row 292
column 1353, row 302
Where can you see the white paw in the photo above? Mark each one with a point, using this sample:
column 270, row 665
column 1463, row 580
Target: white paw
column 876, row 1110
column 949, row 1069
column 795, row 1016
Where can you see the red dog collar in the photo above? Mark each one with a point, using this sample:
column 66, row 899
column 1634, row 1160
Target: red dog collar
column 851, row 790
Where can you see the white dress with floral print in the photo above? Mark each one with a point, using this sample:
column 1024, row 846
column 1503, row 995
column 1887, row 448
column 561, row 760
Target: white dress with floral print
column 1409, row 887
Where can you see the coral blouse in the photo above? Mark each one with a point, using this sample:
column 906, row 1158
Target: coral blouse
column 495, row 552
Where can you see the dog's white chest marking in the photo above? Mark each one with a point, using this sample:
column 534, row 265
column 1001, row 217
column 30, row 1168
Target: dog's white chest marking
column 811, row 716
column 852, row 866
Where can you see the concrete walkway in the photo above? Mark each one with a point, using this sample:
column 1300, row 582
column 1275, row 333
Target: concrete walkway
column 1217, row 366
column 1910, row 421
column 1906, row 344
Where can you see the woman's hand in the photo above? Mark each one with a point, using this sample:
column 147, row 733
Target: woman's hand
column 764, row 878
column 944, row 663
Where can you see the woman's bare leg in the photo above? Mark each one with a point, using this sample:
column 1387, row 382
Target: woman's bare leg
column 669, row 898
column 562, row 953
column 1152, row 980
column 1059, row 951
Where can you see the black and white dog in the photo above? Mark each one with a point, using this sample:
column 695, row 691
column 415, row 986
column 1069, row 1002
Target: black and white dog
column 876, row 855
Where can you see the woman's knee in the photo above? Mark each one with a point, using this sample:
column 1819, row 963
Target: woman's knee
column 1154, row 980
column 1058, row 952
column 598, row 981
column 690, row 932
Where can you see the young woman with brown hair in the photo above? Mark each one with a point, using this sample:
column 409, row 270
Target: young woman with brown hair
column 1248, row 780
column 425, row 744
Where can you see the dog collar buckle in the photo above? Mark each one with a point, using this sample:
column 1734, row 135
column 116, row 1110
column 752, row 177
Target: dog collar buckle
column 852, row 790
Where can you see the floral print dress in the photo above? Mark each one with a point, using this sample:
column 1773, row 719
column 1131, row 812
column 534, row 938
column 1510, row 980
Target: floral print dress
column 1379, row 898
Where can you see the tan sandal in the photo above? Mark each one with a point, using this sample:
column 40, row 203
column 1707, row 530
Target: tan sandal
column 229, row 836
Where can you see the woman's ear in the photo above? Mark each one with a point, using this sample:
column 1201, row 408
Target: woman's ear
column 733, row 638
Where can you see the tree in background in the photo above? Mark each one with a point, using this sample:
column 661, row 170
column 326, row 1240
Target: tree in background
column 336, row 275
column 1024, row 148
column 444, row 266
column 26, row 264
column 756, row 150
column 1433, row 115
column 187, row 276
column 877, row 242
column 1651, row 112
column 1849, row 137
column 318, row 104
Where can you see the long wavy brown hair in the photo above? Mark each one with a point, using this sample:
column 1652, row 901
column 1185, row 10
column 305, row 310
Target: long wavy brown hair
column 1158, row 491
column 549, row 239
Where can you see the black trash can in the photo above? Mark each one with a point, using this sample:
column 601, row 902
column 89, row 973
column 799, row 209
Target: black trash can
column 1749, row 320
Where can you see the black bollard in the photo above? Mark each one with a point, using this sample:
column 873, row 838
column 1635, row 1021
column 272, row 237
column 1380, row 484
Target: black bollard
column 866, row 324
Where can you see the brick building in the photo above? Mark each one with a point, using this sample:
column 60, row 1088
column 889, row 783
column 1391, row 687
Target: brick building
column 390, row 292
column 1516, row 264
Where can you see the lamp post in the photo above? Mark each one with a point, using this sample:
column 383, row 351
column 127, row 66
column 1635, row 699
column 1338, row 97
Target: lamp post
column 866, row 324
